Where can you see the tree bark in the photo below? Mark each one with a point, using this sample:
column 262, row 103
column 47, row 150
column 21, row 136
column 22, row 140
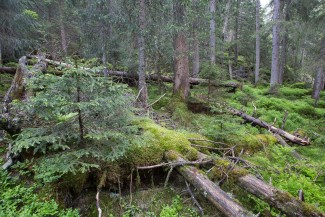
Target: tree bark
column 0, row 54
column 181, row 86
column 62, row 28
column 318, row 83
column 273, row 129
column 284, row 42
column 213, row 32
column 279, row 199
column 17, row 89
column 142, row 67
column 275, row 45
column 196, row 56
column 237, row 31
column 196, row 47
column 283, row 201
column 258, row 48
column 9, row 70
column 225, row 24
column 211, row 191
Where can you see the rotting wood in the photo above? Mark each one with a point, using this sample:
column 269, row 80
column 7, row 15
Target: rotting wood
column 283, row 201
column 290, row 137
column 294, row 153
column 279, row 199
column 152, row 77
column 9, row 70
column 17, row 89
column 210, row 190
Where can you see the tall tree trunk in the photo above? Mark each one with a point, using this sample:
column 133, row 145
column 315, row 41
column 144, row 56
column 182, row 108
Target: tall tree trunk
column 62, row 28
column 258, row 48
column 318, row 83
column 196, row 47
column 237, row 31
column 181, row 75
column 142, row 65
column 275, row 46
column 213, row 32
column 284, row 42
column 104, row 55
column 196, row 56
column 225, row 24
column 0, row 54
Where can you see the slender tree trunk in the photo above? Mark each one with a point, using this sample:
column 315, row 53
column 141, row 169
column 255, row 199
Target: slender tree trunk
column 258, row 48
column 284, row 41
column 196, row 47
column 196, row 56
column 142, row 65
column 62, row 28
column 0, row 54
column 181, row 75
column 225, row 24
column 318, row 83
column 237, row 31
column 213, row 32
column 104, row 56
column 275, row 46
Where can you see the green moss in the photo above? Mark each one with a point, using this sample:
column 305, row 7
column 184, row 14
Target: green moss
column 157, row 140
column 221, row 168
column 76, row 182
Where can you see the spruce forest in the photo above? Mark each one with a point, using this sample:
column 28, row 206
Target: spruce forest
column 171, row 108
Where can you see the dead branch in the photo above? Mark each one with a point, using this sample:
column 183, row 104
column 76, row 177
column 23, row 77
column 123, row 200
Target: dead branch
column 194, row 199
column 273, row 129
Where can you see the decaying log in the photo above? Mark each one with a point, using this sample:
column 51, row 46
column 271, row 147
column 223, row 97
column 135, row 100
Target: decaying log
column 152, row 77
column 9, row 70
column 294, row 153
column 273, row 129
column 281, row 200
column 17, row 89
column 210, row 190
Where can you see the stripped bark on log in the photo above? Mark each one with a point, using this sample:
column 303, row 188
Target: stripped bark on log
column 210, row 190
column 273, row 129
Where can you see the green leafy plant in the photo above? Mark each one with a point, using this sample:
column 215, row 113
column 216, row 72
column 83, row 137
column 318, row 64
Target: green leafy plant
column 18, row 200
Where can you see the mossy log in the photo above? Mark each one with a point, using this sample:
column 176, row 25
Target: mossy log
column 210, row 190
column 290, row 137
column 281, row 200
column 152, row 77
column 9, row 70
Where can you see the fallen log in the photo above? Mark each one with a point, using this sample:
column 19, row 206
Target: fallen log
column 273, row 129
column 9, row 70
column 210, row 190
column 283, row 201
column 279, row 199
column 151, row 77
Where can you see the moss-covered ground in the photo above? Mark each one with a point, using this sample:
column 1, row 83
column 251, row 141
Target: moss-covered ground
column 171, row 125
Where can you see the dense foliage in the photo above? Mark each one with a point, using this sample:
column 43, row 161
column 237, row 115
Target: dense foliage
column 78, row 120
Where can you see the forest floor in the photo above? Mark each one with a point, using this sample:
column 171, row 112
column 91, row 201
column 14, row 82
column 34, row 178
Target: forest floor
column 211, row 120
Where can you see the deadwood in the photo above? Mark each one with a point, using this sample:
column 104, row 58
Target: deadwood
column 152, row 77
column 210, row 190
column 290, row 137
column 9, row 70
column 279, row 199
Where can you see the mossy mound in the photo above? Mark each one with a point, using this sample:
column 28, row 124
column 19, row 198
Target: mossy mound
column 157, row 140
